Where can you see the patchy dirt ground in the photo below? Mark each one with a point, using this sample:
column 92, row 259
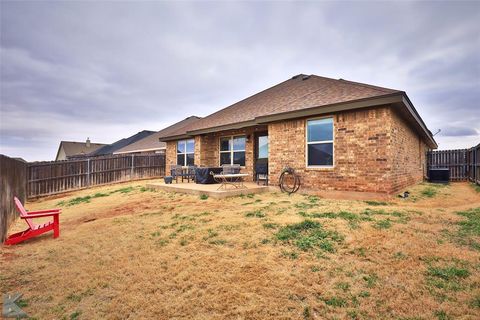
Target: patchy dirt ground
column 127, row 252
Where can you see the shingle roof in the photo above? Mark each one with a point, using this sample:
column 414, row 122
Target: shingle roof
column 111, row 148
column 72, row 148
column 299, row 92
column 179, row 128
column 152, row 141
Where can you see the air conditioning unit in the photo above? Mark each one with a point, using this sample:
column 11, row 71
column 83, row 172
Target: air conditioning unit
column 439, row 175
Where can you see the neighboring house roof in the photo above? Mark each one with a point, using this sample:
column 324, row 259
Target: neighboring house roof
column 152, row 142
column 111, row 148
column 304, row 95
column 73, row 148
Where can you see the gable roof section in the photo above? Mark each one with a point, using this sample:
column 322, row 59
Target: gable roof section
column 299, row 92
column 111, row 148
column 178, row 129
column 306, row 95
column 72, row 148
column 152, row 141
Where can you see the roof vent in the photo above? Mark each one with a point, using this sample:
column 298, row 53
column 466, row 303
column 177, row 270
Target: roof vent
column 298, row 75
column 305, row 77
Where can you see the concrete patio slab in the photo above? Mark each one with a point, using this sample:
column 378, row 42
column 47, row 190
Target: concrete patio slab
column 210, row 190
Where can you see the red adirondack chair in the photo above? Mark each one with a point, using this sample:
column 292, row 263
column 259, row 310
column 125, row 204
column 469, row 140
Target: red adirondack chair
column 35, row 229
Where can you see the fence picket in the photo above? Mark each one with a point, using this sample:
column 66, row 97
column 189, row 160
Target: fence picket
column 464, row 164
column 46, row 178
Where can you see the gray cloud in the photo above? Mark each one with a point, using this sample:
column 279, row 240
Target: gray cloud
column 459, row 132
column 107, row 70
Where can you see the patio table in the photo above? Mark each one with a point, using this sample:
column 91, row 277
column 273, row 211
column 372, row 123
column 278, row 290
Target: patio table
column 234, row 179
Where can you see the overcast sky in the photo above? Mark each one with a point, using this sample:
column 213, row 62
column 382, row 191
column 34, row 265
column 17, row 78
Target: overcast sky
column 105, row 70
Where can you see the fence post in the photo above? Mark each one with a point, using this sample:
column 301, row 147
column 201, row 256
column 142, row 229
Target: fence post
column 88, row 172
column 131, row 171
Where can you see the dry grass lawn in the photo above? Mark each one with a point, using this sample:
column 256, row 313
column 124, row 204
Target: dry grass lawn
column 127, row 252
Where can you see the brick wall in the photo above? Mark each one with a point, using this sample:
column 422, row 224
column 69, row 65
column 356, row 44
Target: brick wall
column 207, row 149
column 361, row 145
column 375, row 150
column 170, row 155
column 408, row 154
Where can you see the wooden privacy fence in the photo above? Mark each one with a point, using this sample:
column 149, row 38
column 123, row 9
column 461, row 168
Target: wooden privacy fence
column 46, row 178
column 12, row 184
column 473, row 160
column 464, row 164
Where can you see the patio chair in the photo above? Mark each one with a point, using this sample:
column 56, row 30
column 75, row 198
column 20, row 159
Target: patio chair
column 191, row 172
column 230, row 169
column 35, row 229
column 261, row 173
column 176, row 171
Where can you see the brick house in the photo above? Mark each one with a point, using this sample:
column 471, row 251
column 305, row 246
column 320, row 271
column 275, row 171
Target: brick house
column 338, row 135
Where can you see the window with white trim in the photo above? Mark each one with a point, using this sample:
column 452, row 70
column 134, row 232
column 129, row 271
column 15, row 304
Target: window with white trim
column 320, row 142
column 232, row 150
column 185, row 152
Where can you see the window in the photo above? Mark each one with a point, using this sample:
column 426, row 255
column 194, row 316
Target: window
column 232, row 150
column 262, row 147
column 320, row 142
column 185, row 152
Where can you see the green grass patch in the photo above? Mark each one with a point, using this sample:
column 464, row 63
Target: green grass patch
column 308, row 235
column 399, row 255
column 381, row 212
column 344, row 286
column 313, row 199
column 442, row 315
column 383, row 224
column 290, row 254
column 448, row 273
column 352, row 218
column 429, row 192
column 469, row 228
column 376, row 203
column 270, row 225
column 476, row 187
column 441, row 279
column 307, row 314
column 75, row 315
column 304, row 205
column 431, row 189
column 371, row 280
column 255, row 214
column 87, row 199
column 203, row 197
column 145, row 189
column 336, row 302
column 22, row 303
column 475, row 302
column 124, row 190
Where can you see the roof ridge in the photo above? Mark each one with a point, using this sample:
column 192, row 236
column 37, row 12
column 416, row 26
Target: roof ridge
column 176, row 123
column 181, row 126
column 387, row 91
column 83, row 142
column 361, row 84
